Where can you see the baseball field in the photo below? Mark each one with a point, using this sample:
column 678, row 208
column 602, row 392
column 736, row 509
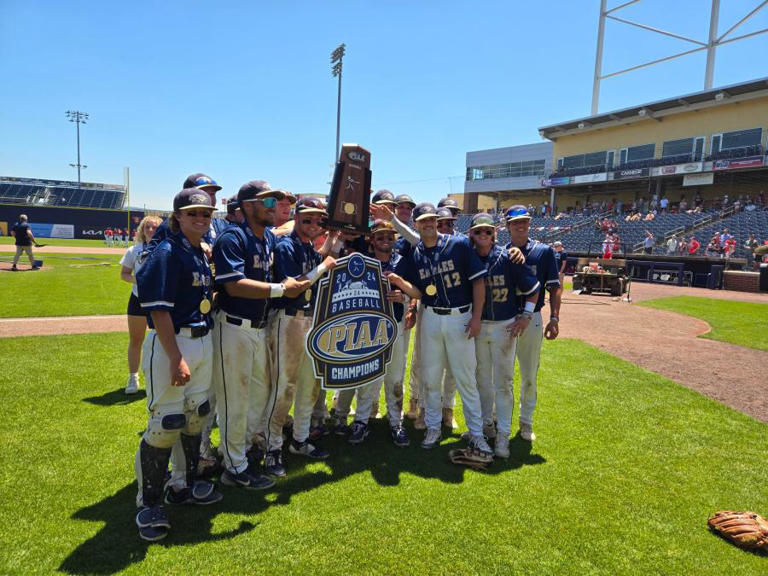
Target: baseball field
column 651, row 416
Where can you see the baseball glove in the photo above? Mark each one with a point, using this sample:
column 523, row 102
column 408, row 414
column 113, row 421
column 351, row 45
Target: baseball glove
column 471, row 457
column 744, row 529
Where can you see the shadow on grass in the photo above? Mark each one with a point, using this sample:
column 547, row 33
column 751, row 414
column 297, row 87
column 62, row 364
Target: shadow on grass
column 117, row 545
column 116, row 398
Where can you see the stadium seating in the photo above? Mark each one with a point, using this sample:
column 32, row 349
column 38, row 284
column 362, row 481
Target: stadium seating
column 59, row 195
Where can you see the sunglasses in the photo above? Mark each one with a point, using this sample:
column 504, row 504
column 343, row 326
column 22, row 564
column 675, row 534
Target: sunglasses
column 205, row 182
column 514, row 213
column 484, row 231
column 198, row 213
column 269, row 202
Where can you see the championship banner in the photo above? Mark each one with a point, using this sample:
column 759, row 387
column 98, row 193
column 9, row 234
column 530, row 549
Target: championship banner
column 353, row 328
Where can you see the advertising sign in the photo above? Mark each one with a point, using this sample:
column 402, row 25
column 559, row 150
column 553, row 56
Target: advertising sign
column 687, row 168
column 587, row 178
column 630, row 173
column 698, row 179
column 353, row 328
column 43, row 230
column 558, row 181
column 753, row 162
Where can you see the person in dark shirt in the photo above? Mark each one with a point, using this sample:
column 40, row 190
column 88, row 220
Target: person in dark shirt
column 24, row 241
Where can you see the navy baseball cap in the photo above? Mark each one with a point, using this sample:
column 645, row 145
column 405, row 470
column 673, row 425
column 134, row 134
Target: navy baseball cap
column 482, row 220
column 517, row 212
column 256, row 190
column 192, row 198
column 232, row 204
column 445, row 214
column 449, row 203
column 311, row 205
column 404, row 199
column 424, row 210
column 200, row 180
column 383, row 197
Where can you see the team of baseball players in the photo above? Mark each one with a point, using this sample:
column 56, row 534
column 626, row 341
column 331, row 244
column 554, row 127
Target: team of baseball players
column 229, row 345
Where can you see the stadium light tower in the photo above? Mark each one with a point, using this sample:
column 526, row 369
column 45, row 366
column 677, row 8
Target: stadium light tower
column 337, row 63
column 78, row 118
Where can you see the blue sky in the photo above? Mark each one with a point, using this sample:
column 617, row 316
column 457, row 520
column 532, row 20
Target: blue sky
column 243, row 90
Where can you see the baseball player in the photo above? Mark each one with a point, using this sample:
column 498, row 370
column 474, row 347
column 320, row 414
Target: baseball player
column 175, row 289
column 447, row 275
column 502, row 322
column 451, row 204
column 540, row 258
column 234, row 214
column 293, row 379
column 137, row 318
column 108, row 237
column 243, row 255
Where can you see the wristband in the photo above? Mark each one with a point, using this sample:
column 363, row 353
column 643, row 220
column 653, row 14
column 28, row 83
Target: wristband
column 554, row 319
column 529, row 307
column 315, row 273
column 276, row 290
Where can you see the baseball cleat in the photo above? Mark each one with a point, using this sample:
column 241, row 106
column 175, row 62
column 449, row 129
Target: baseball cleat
column 501, row 448
column 489, row 431
column 526, row 432
column 132, row 387
column 399, row 437
column 359, row 433
column 432, row 439
column 273, row 463
column 480, row 444
column 246, row 480
column 152, row 517
column 342, row 429
column 201, row 494
column 150, row 534
column 307, row 449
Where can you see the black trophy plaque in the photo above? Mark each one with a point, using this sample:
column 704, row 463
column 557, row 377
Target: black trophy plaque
column 350, row 190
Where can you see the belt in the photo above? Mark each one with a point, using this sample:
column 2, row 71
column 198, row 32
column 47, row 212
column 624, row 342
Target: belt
column 299, row 313
column 255, row 324
column 449, row 311
column 193, row 331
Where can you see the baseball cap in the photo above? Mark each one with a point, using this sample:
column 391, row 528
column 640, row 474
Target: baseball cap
column 200, row 180
column 383, row 197
column 404, row 199
column 517, row 212
column 558, row 243
column 445, row 214
column 192, row 198
column 255, row 190
column 424, row 210
column 482, row 220
column 311, row 205
column 449, row 203
column 286, row 194
column 232, row 204
column 382, row 226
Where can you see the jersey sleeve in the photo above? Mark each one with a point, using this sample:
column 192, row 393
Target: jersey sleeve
column 229, row 257
column 158, row 280
column 475, row 267
column 408, row 269
column 285, row 261
column 129, row 258
column 552, row 273
column 523, row 278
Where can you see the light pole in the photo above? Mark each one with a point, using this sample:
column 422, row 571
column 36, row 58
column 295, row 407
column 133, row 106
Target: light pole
column 337, row 58
column 78, row 118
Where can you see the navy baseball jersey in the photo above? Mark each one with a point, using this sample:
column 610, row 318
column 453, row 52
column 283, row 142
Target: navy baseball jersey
column 560, row 257
column 20, row 230
column 176, row 277
column 295, row 258
column 402, row 247
column 450, row 267
column 504, row 283
column 238, row 253
column 395, row 264
column 541, row 259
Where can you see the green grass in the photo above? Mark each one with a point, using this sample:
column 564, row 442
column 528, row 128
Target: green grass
column 625, row 471
column 741, row 323
column 67, row 285
column 60, row 242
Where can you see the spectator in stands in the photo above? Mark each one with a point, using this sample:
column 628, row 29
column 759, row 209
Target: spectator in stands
column 750, row 246
column 761, row 199
column 729, row 247
column 608, row 247
column 648, row 242
column 24, row 241
column 698, row 202
column 725, row 236
column 653, row 204
column 693, row 246
column 672, row 245
column 619, row 207
column 683, row 246
column 650, row 216
column 683, row 205
column 137, row 318
column 725, row 200
column 664, row 204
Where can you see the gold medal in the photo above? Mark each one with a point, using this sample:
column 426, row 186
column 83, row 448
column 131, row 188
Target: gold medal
column 349, row 208
column 431, row 290
column 205, row 305
column 308, row 294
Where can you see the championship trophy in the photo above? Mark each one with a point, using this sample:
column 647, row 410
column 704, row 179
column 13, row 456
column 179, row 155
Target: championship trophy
column 349, row 199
